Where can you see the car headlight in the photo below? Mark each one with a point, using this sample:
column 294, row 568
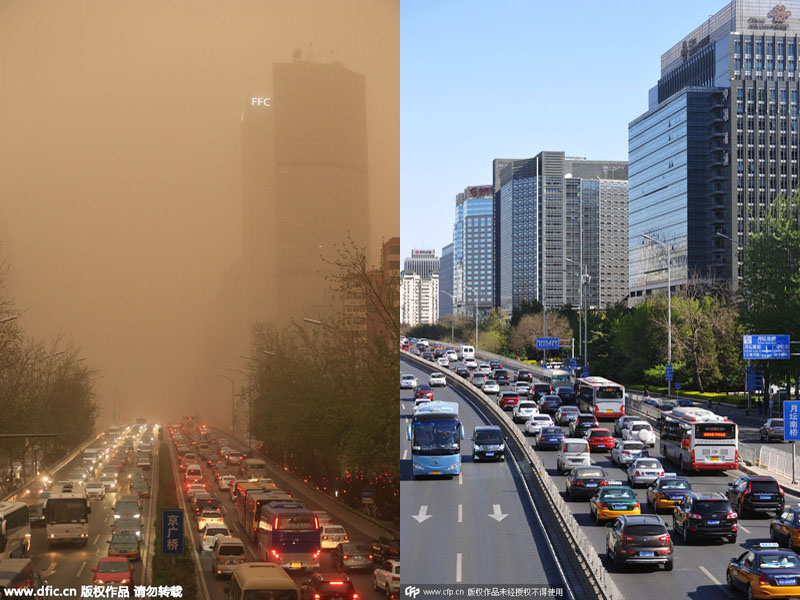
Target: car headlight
column 136, row 516
column 476, row 448
column 452, row 467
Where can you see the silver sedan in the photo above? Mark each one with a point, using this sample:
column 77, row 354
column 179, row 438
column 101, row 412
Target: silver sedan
column 644, row 471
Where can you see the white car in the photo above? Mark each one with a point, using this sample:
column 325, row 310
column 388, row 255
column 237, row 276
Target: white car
column 208, row 518
column 211, row 534
column 95, row 489
column 639, row 430
column 195, row 488
column 471, row 363
column 485, row 368
column 620, row 423
column 536, row 423
column 452, row 356
column 225, row 482
column 524, row 410
column 437, row 379
column 387, row 577
column 443, row 362
column 407, row 382
column 523, row 388
column 625, row 453
column 565, row 414
column 323, row 517
column 333, row 535
column 490, row 386
column 644, row 471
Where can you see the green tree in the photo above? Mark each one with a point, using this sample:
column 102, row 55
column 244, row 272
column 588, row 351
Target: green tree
column 526, row 307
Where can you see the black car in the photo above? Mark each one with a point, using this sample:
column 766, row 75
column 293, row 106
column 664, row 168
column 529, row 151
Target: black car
column 583, row 482
column 495, row 364
column 488, row 443
column 439, row 352
column 550, row 403
column 203, row 502
column 525, row 375
column 641, row 540
column 463, row 372
column 703, row 516
column 324, row 586
column 582, row 424
column 501, row 376
column 385, row 549
column 756, row 493
column 566, row 393
column 540, row 389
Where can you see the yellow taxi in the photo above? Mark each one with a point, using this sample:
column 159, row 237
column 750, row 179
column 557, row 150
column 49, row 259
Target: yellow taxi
column 765, row 571
column 785, row 528
column 612, row 501
column 667, row 491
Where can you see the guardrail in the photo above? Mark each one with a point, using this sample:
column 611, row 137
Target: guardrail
column 590, row 562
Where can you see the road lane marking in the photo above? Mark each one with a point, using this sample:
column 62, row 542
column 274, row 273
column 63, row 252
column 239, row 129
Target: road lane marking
column 78, row 574
column 97, row 537
column 496, row 513
column 422, row 515
column 460, row 479
column 460, row 513
column 405, row 454
column 745, row 529
column 709, row 575
column 50, row 570
column 458, row 567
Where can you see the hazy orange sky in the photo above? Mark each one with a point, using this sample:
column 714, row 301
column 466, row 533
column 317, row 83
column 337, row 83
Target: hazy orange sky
column 120, row 199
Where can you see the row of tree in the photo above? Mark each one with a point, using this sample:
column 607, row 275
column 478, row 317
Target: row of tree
column 44, row 388
column 708, row 320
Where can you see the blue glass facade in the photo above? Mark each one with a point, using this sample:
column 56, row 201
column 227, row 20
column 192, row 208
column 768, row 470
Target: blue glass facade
column 446, row 281
column 473, row 250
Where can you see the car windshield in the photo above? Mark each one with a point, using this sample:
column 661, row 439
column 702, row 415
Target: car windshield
column 675, row 484
column 617, row 493
column 526, row 405
column 589, row 473
column 633, row 446
column 552, row 431
column 778, row 561
column 334, row 530
column 777, row 423
column 116, row 566
column 488, row 437
column 586, row 419
column 575, row 447
column 647, row 464
column 126, row 507
column 645, row 529
column 94, row 485
column 638, row 426
column 126, row 524
column 123, row 538
column 764, row 486
column 541, row 418
column 436, row 437
column 216, row 531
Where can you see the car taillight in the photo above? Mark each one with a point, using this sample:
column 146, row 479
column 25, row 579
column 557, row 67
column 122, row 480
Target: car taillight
column 664, row 538
column 692, row 515
column 316, row 554
column 762, row 579
column 603, row 505
column 316, row 596
column 731, row 515
column 355, row 596
column 337, row 582
column 346, row 538
column 324, row 537
column 604, row 482
column 636, row 506
column 627, row 538
column 780, row 489
column 637, row 473
column 275, row 554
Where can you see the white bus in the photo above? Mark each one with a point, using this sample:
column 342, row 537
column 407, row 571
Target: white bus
column 601, row 397
column 698, row 439
column 253, row 468
column 15, row 530
column 555, row 377
column 66, row 517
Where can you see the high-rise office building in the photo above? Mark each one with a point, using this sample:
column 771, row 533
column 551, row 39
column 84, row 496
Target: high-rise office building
column 473, row 250
column 422, row 262
column 419, row 299
column 718, row 143
column 446, row 281
column 558, row 214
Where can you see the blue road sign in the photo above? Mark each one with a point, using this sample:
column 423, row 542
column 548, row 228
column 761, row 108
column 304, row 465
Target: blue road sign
column 573, row 363
column 678, row 385
column 547, row 343
column 765, row 347
column 172, row 532
column 791, row 421
column 754, row 379
column 585, row 372
column 668, row 373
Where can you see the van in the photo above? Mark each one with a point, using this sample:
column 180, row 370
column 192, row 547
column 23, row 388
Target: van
column 573, row 452
column 228, row 553
column 250, row 580
column 194, row 474
column 467, row 352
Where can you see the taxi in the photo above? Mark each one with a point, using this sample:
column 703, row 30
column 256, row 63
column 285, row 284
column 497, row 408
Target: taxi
column 667, row 491
column 785, row 528
column 612, row 501
column 765, row 571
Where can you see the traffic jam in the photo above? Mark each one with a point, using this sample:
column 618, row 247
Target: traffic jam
column 651, row 497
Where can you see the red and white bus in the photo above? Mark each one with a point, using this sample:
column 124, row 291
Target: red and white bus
column 698, row 439
column 601, row 397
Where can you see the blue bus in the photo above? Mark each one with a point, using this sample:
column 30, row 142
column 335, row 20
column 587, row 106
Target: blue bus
column 435, row 433
column 289, row 537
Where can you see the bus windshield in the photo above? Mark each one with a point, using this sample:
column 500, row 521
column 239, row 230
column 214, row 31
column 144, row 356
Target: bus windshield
column 436, row 437
column 609, row 392
column 66, row 511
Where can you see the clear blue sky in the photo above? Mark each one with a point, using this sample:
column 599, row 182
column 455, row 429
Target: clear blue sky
column 486, row 79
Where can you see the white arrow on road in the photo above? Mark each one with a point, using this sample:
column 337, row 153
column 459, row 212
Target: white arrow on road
column 423, row 514
column 50, row 570
column 497, row 515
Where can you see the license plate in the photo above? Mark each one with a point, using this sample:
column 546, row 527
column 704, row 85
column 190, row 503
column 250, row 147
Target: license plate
column 358, row 558
column 713, row 458
column 646, row 553
column 786, row 580
column 765, row 497
column 713, row 522
column 619, row 506
column 591, row 485
column 436, row 472
column 296, row 565
column 490, row 454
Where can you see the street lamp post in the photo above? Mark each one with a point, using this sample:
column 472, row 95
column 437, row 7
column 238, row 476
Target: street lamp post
column 233, row 401
column 452, row 316
column 669, row 302
column 474, row 293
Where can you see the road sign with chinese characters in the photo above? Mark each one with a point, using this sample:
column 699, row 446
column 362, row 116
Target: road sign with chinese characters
column 668, row 373
column 765, row 347
column 791, row 421
column 547, row 343
column 172, row 532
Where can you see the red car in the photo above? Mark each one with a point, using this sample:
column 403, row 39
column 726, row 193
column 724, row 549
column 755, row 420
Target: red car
column 114, row 570
column 600, row 439
column 423, row 391
column 508, row 400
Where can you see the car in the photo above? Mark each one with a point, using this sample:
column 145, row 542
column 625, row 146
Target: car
column 443, row 362
column 209, row 517
column 225, row 482
column 95, row 490
column 644, row 471
column 77, row 479
column 583, row 423
column 666, row 405
column 144, row 463
column 437, row 379
column 114, row 570
column 524, row 410
column 651, row 402
column 193, row 489
column 124, row 543
column 451, row 355
column 541, row 389
column 428, row 356
column 385, row 548
column 501, row 376
column 583, row 482
column 639, row 540
column 488, row 443
column 523, row 388
column 612, row 501
column 536, row 423
column 328, row 586
column 600, row 439
column 705, row 515
column 771, row 430
column 625, row 453
column 490, row 386
column 508, row 400
column 333, row 535
column 350, row 556
column 127, row 509
column 227, row 554
column 387, row 578
column 471, row 363
column 407, row 382
column 785, row 528
column 566, row 393
column 549, row 403
column 204, row 501
column 438, row 352
column 549, row 438
column 566, row 414
column 639, row 430
column 423, row 391
column 667, row 491
column 323, row 517
column 130, row 524
column 140, row 488
column 685, row 402
column 620, row 423
column 210, row 534
column 756, row 493
column 524, row 375
column 485, row 369
column 495, row 364
column 765, row 571
column 462, row 372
